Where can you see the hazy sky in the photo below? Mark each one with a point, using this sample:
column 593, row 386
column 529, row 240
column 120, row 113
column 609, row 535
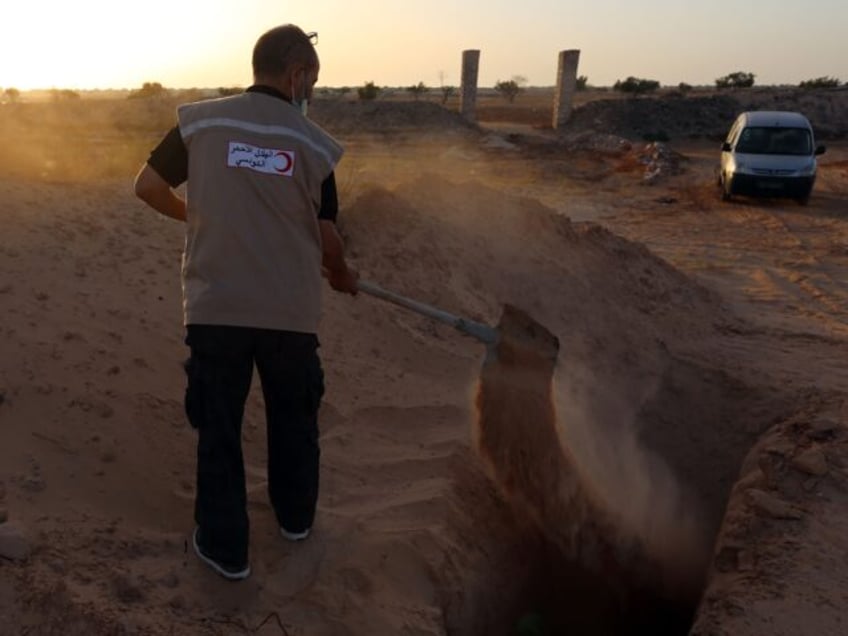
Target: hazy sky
column 207, row 43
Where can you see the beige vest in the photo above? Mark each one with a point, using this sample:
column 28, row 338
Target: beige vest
column 253, row 249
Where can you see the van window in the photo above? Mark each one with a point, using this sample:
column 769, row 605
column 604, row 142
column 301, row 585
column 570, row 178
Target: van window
column 775, row 141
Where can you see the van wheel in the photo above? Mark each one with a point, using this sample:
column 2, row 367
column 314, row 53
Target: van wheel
column 725, row 189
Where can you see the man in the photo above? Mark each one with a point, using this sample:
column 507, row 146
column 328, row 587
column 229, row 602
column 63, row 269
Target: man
column 260, row 230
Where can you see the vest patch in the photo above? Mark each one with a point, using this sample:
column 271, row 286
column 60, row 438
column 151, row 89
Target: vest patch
column 265, row 160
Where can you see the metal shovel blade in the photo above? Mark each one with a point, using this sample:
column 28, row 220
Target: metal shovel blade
column 482, row 332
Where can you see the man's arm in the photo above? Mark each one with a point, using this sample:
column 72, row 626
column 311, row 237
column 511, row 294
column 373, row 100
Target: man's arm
column 342, row 278
column 165, row 170
column 157, row 193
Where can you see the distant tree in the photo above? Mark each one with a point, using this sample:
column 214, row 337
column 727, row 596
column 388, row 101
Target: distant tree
column 582, row 82
column 636, row 85
column 509, row 89
column 343, row 91
column 820, row 82
column 447, row 93
column 12, row 95
column 225, row 91
column 148, row 90
column 739, row 79
column 684, row 88
column 417, row 90
column 63, row 95
column 368, row 91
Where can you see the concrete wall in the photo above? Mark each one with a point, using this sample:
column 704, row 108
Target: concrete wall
column 468, row 91
column 566, row 86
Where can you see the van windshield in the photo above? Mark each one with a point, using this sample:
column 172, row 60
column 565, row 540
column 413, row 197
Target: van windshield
column 775, row 141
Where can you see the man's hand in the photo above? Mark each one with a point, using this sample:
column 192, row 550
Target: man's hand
column 342, row 278
column 346, row 281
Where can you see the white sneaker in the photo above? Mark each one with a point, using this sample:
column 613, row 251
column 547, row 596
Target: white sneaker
column 294, row 536
column 229, row 572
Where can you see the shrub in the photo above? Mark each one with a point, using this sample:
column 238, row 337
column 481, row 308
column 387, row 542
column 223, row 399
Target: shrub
column 636, row 85
column 509, row 89
column 417, row 90
column 368, row 91
column 684, row 88
column 447, row 93
column 739, row 79
column 225, row 91
column 820, row 82
column 148, row 90
column 582, row 82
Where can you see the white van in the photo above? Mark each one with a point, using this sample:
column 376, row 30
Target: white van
column 769, row 153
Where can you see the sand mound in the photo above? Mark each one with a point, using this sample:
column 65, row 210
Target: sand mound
column 632, row 328
column 679, row 116
column 635, row 334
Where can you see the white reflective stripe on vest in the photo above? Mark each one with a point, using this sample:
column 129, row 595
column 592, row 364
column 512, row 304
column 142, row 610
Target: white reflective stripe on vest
column 261, row 129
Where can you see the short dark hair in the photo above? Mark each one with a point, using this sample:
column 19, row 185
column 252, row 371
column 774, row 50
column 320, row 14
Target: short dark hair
column 280, row 47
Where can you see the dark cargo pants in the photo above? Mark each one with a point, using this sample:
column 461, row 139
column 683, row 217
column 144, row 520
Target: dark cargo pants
column 219, row 372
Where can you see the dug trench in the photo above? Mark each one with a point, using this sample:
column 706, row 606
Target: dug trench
column 611, row 421
column 572, row 557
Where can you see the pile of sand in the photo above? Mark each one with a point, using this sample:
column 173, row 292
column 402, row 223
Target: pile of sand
column 679, row 116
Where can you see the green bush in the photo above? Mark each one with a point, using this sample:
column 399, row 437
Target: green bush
column 636, row 85
column 417, row 90
column 509, row 89
column 369, row 91
column 820, row 82
column 148, row 90
column 582, row 82
column 739, row 79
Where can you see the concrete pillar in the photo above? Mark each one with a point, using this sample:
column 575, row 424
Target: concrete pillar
column 566, row 86
column 468, row 91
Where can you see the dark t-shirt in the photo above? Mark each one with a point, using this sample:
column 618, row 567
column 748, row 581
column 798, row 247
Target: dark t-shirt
column 170, row 161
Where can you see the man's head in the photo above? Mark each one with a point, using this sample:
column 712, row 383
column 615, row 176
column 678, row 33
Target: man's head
column 285, row 58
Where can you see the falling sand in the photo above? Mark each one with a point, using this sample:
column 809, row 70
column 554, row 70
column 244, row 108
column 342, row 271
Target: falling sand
column 517, row 436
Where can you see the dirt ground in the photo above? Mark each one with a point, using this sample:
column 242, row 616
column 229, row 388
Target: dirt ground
column 699, row 392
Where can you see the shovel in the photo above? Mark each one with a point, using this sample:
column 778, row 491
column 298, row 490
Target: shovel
column 482, row 332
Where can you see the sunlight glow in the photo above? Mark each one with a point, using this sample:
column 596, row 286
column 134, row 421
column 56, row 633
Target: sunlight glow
column 113, row 44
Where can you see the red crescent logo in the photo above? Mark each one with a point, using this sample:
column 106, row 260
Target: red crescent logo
column 287, row 162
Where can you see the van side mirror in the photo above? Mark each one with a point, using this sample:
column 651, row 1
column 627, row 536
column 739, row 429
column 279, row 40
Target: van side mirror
column 820, row 150
column 725, row 147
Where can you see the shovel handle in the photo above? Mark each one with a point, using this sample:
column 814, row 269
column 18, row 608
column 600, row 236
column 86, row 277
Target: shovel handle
column 484, row 333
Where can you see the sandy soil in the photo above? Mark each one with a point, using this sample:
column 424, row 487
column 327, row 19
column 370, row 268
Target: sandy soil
column 697, row 405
